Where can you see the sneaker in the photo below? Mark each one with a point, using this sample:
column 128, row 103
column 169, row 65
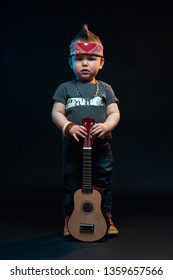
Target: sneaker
column 112, row 229
column 65, row 231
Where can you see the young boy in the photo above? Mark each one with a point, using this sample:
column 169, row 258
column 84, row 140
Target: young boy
column 80, row 98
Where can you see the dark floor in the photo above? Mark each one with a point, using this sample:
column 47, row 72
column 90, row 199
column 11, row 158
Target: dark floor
column 145, row 225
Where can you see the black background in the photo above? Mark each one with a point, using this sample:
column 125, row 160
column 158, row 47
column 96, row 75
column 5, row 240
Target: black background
column 138, row 44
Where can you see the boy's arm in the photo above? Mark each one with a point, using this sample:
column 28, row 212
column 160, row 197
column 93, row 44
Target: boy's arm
column 112, row 120
column 113, row 116
column 58, row 115
column 60, row 120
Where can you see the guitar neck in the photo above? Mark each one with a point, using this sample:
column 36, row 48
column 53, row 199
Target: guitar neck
column 87, row 147
column 87, row 170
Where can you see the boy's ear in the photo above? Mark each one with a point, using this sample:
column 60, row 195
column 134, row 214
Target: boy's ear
column 69, row 61
column 102, row 61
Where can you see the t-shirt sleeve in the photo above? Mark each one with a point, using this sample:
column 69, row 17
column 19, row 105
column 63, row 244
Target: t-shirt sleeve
column 60, row 94
column 110, row 95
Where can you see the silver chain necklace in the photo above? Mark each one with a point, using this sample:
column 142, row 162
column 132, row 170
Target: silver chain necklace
column 88, row 99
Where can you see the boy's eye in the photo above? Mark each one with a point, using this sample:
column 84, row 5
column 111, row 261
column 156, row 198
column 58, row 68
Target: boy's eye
column 78, row 58
column 91, row 58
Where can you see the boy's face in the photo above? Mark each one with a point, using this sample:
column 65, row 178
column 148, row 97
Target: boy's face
column 86, row 66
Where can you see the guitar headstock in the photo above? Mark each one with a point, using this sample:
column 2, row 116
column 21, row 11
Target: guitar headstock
column 88, row 123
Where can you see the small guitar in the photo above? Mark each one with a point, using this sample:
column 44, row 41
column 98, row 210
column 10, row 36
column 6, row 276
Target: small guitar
column 88, row 221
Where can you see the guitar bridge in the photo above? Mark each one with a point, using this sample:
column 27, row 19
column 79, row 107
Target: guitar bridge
column 87, row 227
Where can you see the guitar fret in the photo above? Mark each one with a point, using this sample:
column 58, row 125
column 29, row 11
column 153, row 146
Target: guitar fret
column 86, row 179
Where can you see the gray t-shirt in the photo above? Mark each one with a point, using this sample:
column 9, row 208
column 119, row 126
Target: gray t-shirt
column 84, row 100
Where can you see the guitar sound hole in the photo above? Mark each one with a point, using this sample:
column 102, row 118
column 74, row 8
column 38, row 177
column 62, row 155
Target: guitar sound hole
column 87, row 207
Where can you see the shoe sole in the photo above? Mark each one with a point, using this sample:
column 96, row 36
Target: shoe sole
column 66, row 234
column 113, row 233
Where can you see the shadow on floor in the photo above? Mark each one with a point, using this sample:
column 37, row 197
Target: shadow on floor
column 145, row 233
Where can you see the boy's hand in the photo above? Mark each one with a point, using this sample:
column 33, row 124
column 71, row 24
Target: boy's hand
column 98, row 129
column 78, row 131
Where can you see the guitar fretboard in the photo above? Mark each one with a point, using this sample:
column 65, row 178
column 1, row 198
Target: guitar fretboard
column 87, row 170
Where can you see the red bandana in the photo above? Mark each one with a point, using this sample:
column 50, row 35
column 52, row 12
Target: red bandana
column 86, row 48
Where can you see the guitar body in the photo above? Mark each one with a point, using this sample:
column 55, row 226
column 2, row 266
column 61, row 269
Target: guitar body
column 87, row 222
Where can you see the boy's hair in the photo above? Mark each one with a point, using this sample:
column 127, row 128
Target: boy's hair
column 86, row 42
column 85, row 35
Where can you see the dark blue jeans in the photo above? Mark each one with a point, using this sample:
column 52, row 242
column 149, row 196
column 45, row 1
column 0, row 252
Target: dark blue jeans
column 102, row 165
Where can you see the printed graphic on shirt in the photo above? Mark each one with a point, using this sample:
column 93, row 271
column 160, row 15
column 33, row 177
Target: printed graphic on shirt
column 79, row 101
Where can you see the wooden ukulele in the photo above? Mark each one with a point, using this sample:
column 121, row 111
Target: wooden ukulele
column 88, row 222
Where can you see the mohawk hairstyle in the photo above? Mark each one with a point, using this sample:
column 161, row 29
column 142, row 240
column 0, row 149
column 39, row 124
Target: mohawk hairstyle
column 85, row 35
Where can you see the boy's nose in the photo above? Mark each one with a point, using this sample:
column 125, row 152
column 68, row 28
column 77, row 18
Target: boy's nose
column 85, row 62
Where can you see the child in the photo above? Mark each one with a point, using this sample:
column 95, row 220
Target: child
column 79, row 98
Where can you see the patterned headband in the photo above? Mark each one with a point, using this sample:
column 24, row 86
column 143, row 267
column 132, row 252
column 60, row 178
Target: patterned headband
column 86, row 48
